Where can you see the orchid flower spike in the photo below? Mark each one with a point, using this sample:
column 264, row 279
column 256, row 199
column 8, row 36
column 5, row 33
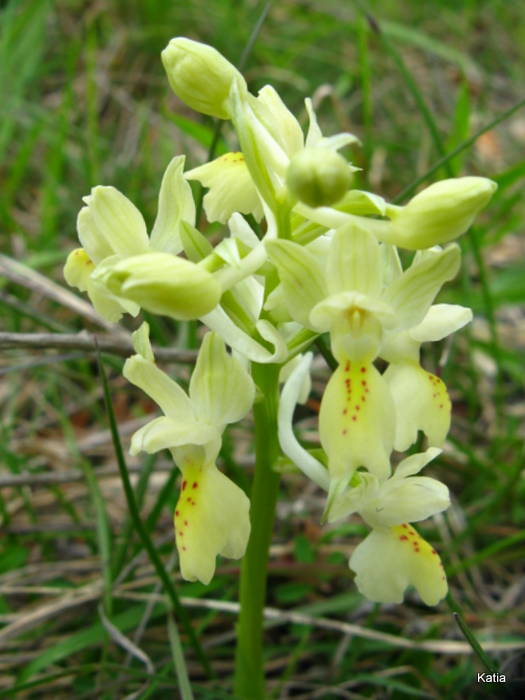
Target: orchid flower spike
column 122, row 269
column 212, row 513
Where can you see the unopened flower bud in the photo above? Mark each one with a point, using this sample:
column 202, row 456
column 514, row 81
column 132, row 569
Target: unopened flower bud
column 164, row 284
column 200, row 76
column 442, row 212
column 318, row 176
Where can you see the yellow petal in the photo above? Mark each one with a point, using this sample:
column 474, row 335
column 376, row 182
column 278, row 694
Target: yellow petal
column 422, row 403
column 211, row 518
column 389, row 560
column 356, row 421
column 231, row 188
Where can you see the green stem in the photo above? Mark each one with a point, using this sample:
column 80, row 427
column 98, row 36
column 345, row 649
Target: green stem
column 249, row 669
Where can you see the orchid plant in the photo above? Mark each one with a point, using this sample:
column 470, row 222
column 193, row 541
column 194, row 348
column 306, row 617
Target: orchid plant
column 319, row 257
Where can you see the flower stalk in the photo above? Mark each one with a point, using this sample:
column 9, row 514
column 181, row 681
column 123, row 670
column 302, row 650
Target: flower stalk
column 249, row 666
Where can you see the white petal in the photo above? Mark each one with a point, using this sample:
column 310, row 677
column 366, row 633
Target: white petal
column 211, row 518
column 441, row 320
column 422, row 403
column 286, row 371
column 386, row 562
column 313, row 469
column 405, row 500
column 241, row 229
column 391, row 263
column 221, row 390
column 412, row 293
column 175, row 205
column 336, row 142
column 415, row 463
column 109, row 224
column 278, row 120
column 108, row 305
column 141, row 342
column 155, row 383
column 314, row 134
column 354, row 262
column 164, row 433
column 219, row 321
column 301, row 275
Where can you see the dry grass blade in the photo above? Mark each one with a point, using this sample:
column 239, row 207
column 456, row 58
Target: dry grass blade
column 86, row 594
column 26, row 277
column 116, row 345
column 132, row 649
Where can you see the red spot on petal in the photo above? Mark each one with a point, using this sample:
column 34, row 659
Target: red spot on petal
column 366, row 391
column 188, row 500
column 186, row 522
column 344, row 432
column 177, row 513
column 363, row 382
column 354, row 417
column 347, row 366
column 404, row 525
column 357, row 408
column 403, row 537
column 363, row 369
column 345, row 412
column 184, row 549
column 183, row 485
column 434, row 552
column 195, row 485
column 181, row 534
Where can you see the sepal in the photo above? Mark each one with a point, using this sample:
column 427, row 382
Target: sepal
column 176, row 206
column 231, row 188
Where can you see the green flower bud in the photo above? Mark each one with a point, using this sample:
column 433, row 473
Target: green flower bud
column 441, row 212
column 318, row 176
column 164, row 284
column 200, row 76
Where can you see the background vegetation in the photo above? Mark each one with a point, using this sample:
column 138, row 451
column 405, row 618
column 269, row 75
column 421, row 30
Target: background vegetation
column 85, row 102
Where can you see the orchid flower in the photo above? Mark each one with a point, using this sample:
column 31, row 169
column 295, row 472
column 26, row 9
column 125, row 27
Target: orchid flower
column 394, row 556
column 352, row 297
column 122, row 269
column 212, row 513
column 421, row 398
